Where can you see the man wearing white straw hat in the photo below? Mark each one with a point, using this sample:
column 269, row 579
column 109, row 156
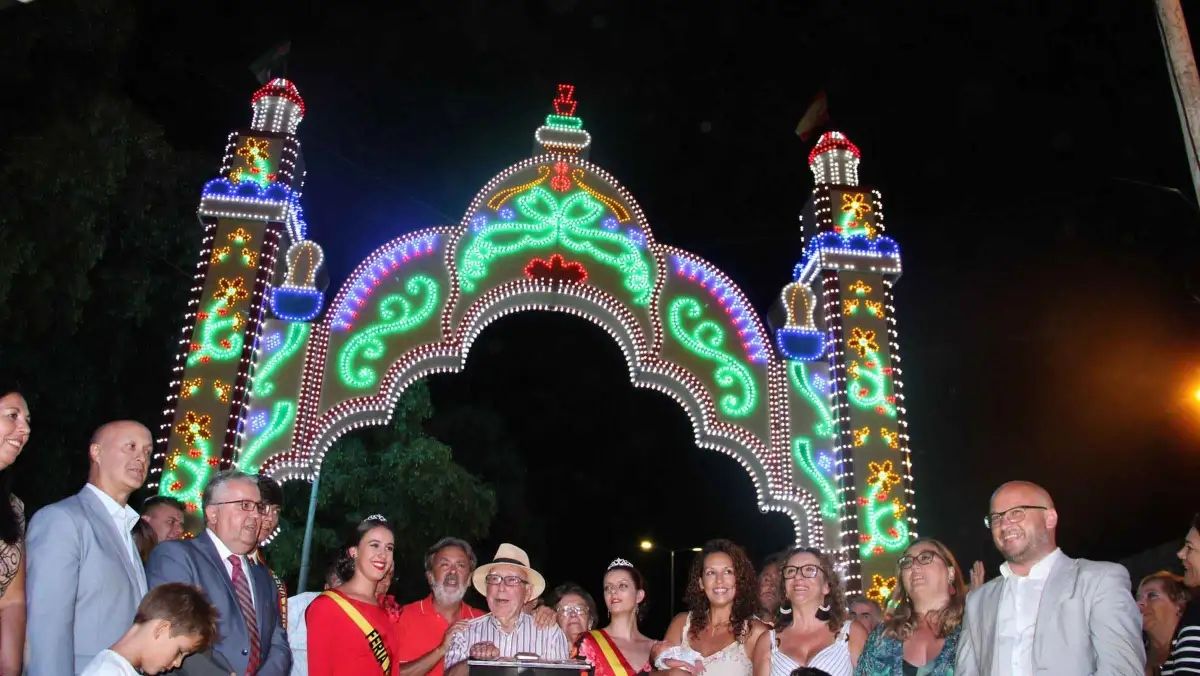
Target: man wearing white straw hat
column 508, row 582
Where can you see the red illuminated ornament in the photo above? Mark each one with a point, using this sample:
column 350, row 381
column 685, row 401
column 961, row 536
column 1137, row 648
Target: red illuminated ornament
column 561, row 181
column 556, row 270
column 878, row 550
column 191, row 506
column 863, row 537
column 175, row 486
column 564, row 103
column 213, row 462
column 863, row 502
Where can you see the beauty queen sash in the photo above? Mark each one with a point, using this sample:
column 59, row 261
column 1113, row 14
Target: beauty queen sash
column 609, row 661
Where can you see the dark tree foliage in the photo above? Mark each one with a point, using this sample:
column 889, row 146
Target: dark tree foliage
column 398, row 471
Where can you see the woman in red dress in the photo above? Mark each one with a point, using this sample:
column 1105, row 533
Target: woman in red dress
column 620, row 649
column 349, row 633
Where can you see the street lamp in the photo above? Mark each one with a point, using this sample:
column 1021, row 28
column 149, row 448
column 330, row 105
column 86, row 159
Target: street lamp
column 648, row 545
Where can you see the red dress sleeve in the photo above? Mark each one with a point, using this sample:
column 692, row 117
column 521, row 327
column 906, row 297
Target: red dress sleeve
column 327, row 636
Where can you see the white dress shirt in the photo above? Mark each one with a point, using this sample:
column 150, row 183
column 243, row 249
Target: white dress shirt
column 1016, row 619
column 224, row 552
column 124, row 517
column 109, row 663
column 297, row 631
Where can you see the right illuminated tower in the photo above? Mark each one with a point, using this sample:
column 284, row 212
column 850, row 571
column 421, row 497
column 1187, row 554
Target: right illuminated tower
column 842, row 327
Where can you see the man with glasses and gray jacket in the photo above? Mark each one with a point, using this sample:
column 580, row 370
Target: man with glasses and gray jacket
column 1047, row 613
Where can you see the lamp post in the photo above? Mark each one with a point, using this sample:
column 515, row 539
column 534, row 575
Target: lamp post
column 647, row 546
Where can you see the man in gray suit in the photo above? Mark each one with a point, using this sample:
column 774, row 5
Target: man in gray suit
column 85, row 576
column 1047, row 613
column 252, row 640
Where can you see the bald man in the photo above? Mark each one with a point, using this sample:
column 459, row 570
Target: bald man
column 85, row 578
column 1047, row 613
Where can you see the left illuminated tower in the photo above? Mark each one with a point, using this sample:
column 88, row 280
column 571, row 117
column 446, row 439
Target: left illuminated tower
column 249, row 214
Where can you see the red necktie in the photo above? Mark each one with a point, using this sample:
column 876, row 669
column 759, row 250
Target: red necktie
column 241, row 587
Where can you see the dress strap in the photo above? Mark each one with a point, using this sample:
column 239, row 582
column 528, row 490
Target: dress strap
column 687, row 625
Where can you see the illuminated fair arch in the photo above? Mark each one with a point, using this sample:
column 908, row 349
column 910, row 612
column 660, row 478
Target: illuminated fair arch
column 270, row 377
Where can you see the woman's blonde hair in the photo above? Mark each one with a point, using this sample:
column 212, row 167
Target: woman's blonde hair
column 902, row 619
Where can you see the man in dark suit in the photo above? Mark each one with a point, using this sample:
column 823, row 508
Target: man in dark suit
column 252, row 640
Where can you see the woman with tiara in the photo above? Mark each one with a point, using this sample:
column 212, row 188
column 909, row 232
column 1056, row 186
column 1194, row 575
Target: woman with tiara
column 620, row 649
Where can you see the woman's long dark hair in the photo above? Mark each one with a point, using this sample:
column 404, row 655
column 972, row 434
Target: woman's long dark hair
column 745, row 599
column 345, row 562
column 11, row 527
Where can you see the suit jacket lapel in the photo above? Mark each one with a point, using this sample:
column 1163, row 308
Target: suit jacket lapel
column 103, row 523
column 265, row 596
column 989, row 608
column 209, row 550
column 1060, row 586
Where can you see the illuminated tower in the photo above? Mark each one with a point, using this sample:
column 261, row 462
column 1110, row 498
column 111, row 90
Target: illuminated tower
column 841, row 345
column 249, row 215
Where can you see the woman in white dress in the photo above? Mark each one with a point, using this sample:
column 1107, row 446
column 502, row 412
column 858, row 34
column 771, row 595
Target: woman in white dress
column 716, row 636
column 810, row 627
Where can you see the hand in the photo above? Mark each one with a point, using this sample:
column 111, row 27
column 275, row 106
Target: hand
column 485, row 650
column 978, row 576
column 545, row 617
column 695, row 668
column 451, row 631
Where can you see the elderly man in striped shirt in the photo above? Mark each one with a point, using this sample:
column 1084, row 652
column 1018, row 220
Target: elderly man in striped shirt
column 508, row 582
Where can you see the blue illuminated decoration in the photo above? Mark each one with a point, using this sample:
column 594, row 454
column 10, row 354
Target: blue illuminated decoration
column 732, row 301
column 800, row 344
column 379, row 267
column 296, row 304
column 856, row 245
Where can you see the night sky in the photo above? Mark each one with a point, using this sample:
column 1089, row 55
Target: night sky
column 1027, row 153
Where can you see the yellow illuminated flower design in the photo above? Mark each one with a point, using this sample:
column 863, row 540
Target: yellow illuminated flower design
column 194, row 427
column 861, row 435
column 881, row 589
column 222, row 391
column 860, row 288
column 240, row 236
column 882, row 475
column 862, row 341
column 230, row 290
column 220, row 254
column 856, row 204
column 850, row 306
column 254, row 150
column 875, row 308
column 898, row 508
column 892, row 438
column 190, row 387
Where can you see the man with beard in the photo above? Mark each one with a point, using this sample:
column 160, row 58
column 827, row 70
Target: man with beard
column 1046, row 613
column 426, row 626
column 85, row 576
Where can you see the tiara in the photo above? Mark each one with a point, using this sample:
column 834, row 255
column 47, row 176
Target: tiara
column 376, row 517
column 619, row 563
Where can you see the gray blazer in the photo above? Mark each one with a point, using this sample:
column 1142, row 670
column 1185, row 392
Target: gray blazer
column 196, row 562
column 1087, row 623
column 82, row 589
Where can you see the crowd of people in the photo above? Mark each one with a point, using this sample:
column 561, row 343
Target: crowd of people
column 93, row 587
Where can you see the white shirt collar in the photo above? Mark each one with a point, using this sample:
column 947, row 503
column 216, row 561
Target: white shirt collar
column 1039, row 571
column 116, row 511
column 222, row 551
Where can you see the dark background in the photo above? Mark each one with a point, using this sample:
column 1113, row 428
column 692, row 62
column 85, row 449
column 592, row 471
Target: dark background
column 1028, row 154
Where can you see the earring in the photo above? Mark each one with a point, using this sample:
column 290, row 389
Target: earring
column 785, row 608
column 823, row 613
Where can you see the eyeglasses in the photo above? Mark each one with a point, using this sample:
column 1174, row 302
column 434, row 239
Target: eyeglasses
column 924, row 558
column 508, row 580
column 245, row 505
column 808, row 571
column 573, row 611
column 1012, row 515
